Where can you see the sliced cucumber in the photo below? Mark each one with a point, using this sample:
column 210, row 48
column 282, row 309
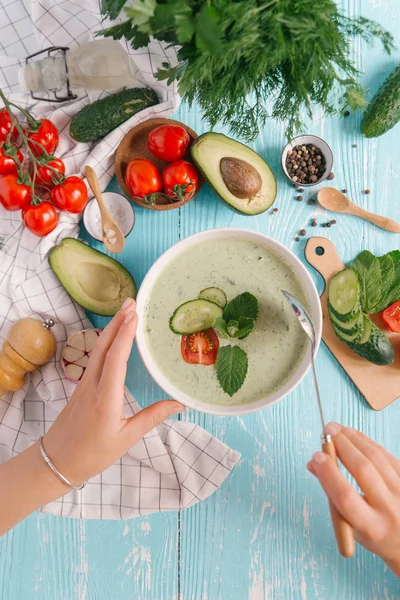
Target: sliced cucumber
column 374, row 345
column 349, row 327
column 214, row 294
column 343, row 295
column 348, row 337
column 194, row 315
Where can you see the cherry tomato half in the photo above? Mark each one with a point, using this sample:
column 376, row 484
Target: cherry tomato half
column 14, row 195
column 40, row 218
column 70, row 195
column 180, row 179
column 143, row 180
column 168, row 142
column 391, row 316
column 50, row 174
column 46, row 138
column 6, row 125
column 8, row 164
column 200, row 348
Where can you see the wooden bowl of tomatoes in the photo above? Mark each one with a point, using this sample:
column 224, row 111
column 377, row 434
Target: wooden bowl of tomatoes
column 153, row 165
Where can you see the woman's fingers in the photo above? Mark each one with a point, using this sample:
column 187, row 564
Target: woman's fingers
column 358, row 465
column 395, row 462
column 106, row 338
column 349, row 503
column 148, row 418
column 115, row 363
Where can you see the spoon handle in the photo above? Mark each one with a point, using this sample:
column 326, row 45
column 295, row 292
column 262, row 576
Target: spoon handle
column 95, row 187
column 383, row 222
column 343, row 531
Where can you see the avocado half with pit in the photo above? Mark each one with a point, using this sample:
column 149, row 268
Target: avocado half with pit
column 94, row 280
column 238, row 174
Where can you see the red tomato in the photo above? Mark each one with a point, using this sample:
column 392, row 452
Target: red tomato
column 8, row 164
column 143, row 180
column 200, row 348
column 6, row 126
column 46, row 136
column 13, row 195
column 70, row 195
column 180, row 180
column 169, row 142
column 40, row 218
column 391, row 316
column 49, row 174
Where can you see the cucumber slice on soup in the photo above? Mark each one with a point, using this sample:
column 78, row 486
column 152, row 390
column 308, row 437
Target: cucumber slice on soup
column 214, row 294
column 195, row 315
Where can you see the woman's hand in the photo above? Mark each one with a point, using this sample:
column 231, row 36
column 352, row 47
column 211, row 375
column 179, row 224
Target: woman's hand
column 375, row 516
column 91, row 433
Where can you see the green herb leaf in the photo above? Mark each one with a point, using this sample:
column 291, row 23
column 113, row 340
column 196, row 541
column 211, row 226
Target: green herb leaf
column 386, row 266
column 244, row 305
column 367, row 268
column 208, row 33
column 140, row 14
column 233, row 327
column 221, row 327
column 246, row 326
column 231, row 366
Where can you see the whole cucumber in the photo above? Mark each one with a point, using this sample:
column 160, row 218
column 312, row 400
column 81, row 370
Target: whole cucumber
column 97, row 119
column 383, row 112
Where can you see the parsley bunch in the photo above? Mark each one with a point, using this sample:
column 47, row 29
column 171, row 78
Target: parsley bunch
column 246, row 60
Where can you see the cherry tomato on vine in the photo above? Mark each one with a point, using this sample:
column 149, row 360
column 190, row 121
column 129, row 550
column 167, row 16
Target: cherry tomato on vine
column 46, row 138
column 8, row 164
column 40, row 218
column 143, row 180
column 6, row 125
column 180, row 179
column 50, row 174
column 200, row 348
column 168, row 142
column 70, row 195
column 14, row 195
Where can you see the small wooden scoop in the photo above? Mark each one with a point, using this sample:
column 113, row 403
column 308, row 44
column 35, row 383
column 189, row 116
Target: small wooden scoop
column 335, row 201
column 113, row 238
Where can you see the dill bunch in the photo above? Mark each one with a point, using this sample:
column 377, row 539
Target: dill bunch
column 237, row 56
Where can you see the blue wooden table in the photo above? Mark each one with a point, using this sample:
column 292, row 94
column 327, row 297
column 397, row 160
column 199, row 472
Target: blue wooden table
column 266, row 534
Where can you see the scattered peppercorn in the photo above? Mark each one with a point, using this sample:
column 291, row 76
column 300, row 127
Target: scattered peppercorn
column 305, row 164
column 301, row 190
column 346, row 113
column 323, row 225
column 367, row 191
column 344, row 191
column 313, row 223
column 328, row 224
column 333, row 222
column 311, row 201
column 275, row 210
column 355, row 146
column 299, row 198
column 331, row 175
column 303, row 232
column 297, row 239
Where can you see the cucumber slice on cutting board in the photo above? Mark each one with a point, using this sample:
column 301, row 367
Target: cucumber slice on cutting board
column 214, row 294
column 354, row 325
column 374, row 345
column 195, row 315
column 344, row 295
column 383, row 112
column 348, row 338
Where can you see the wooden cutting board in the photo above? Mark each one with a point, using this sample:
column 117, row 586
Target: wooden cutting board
column 380, row 386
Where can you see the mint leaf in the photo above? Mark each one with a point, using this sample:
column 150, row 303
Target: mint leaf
column 246, row 325
column 231, row 366
column 233, row 327
column 367, row 268
column 244, row 305
column 221, row 327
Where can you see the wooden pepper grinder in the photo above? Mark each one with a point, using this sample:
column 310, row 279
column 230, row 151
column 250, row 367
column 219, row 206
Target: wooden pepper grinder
column 29, row 344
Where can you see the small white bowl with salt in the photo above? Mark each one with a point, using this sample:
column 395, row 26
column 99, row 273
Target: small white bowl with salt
column 120, row 208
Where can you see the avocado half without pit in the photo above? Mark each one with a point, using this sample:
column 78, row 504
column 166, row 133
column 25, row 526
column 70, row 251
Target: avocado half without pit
column 94, row 280
column 237, row 174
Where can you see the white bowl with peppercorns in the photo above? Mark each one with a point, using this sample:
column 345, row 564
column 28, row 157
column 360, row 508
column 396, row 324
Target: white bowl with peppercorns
column 307, row 160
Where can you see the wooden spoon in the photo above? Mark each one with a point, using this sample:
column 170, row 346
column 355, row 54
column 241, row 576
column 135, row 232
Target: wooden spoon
column 113, row 238
column 335, row 201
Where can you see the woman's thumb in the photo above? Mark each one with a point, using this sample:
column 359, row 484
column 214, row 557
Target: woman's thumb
column 150, row 417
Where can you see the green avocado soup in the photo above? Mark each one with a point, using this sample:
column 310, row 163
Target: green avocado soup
column 276, row 346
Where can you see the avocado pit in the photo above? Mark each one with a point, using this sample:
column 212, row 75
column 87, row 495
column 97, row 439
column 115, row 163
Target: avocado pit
column 241, row 178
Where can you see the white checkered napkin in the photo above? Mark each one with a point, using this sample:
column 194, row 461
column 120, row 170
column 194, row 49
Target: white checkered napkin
column 178, row 464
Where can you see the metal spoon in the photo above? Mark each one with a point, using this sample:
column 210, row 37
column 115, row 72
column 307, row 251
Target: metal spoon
column 335, row 201
column 343, row 531
column 113, row 238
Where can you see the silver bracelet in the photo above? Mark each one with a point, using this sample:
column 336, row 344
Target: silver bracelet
column 56, row 471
